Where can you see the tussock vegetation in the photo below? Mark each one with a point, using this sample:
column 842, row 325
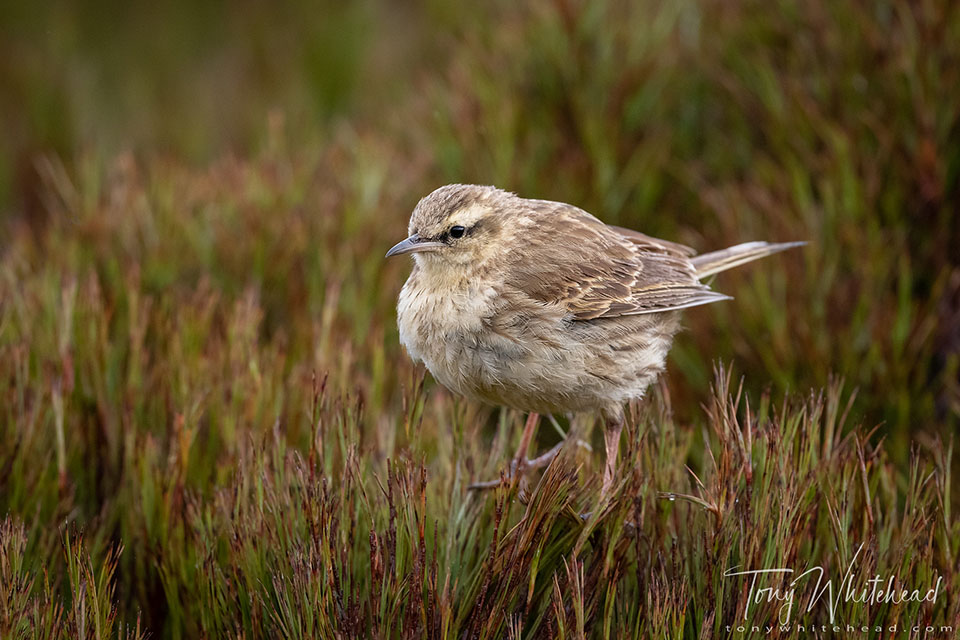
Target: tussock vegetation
column 208, row 428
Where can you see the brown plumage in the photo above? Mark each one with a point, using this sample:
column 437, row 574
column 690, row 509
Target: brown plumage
column 540, row 306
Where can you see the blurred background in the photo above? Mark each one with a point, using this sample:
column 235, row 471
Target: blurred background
column 708, row 123
column 195, row 199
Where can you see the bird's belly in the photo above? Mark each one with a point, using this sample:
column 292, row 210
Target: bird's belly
column 543, row 363
column 530, row 375
column 464, row 346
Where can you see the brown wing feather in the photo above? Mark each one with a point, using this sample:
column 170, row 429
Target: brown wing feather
column 650, row 243
column 571, row 258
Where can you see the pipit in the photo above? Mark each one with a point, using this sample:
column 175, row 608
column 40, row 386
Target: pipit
column 540, row 306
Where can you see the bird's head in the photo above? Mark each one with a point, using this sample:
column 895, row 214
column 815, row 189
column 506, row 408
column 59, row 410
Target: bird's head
column 456, row 227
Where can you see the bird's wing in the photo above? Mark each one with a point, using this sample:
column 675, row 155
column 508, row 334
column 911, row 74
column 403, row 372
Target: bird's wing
column 650, row 243
column 567, row 257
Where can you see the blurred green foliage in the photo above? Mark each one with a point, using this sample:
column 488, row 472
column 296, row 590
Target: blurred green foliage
column 196, row 323
column 708, row 123
column 186, row 78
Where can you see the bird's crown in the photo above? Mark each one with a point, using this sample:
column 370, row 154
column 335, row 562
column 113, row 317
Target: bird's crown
column 433, row 213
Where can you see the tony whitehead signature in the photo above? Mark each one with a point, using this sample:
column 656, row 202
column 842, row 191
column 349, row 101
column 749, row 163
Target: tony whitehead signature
column 852, row 588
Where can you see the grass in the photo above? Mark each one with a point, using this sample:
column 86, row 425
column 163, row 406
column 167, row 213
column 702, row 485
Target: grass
column 208, row 427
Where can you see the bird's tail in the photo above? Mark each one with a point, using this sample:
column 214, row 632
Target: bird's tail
column 717, row 261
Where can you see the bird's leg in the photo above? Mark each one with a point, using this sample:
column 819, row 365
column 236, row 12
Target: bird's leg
column 522, row 463
column 545, row 458
column 519, row 462
column 611, row 441
column 529, row 429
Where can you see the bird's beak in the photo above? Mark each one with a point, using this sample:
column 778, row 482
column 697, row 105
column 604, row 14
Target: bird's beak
column 413, row 244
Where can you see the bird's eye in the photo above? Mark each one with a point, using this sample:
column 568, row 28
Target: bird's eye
column 457, row 232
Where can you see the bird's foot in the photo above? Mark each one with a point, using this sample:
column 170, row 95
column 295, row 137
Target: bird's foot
column 507, row 478
column 519, row 466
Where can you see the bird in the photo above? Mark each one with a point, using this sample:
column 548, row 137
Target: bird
column 540, row 306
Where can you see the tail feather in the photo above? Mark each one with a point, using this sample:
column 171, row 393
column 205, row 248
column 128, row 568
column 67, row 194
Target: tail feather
column 717, row 261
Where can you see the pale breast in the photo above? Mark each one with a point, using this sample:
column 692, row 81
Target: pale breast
column 488, row 345
column 443, row 330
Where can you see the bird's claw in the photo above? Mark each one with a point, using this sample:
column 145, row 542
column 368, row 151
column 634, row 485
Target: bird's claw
column 518, row 467
column 515, row 470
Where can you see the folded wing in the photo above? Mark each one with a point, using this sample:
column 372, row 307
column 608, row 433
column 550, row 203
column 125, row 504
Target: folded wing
column 595, row 271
